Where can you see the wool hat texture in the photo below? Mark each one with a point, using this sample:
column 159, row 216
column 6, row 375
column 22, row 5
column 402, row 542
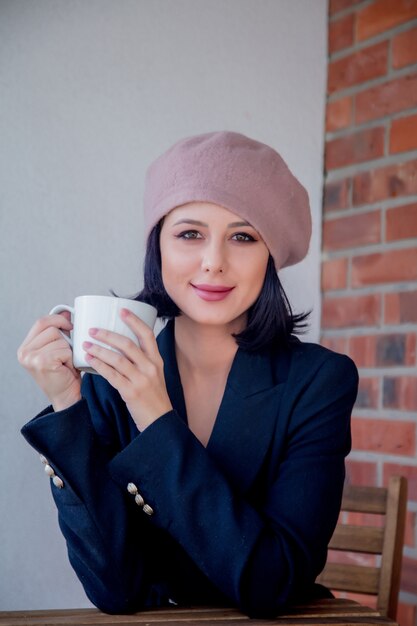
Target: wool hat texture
column 241, row 174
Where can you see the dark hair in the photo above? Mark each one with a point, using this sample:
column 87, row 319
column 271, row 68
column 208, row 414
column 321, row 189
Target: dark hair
column 270, row 318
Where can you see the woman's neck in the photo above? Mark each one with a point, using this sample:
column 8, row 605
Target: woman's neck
column 204, row 350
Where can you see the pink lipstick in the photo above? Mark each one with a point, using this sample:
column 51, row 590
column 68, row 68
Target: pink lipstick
column 212, row 293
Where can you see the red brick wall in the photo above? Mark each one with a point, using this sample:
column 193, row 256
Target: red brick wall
column 369, row 241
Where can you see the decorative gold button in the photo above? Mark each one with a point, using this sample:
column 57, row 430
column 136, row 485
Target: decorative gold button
column 147, row 509
column 57, row 482
column 131, row 487
column 49, row 470
column 139, row 500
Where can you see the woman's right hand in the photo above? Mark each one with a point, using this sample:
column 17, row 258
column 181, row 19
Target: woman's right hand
column 48, row 358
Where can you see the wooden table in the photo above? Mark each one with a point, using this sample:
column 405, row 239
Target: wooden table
column 326, row 612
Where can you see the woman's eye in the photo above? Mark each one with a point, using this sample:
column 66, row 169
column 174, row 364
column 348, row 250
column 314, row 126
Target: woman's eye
column 243, row 237
column 194, row 234
column 188, row 234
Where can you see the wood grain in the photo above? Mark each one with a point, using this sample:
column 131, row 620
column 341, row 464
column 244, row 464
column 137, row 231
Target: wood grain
column 337, row 612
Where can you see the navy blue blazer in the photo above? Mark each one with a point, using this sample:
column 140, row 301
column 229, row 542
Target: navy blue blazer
column 244, row 521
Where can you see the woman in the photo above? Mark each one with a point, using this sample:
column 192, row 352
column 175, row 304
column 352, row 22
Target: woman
column 206, row 466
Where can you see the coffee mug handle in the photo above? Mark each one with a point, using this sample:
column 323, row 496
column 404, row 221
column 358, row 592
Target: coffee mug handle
column 58, row 309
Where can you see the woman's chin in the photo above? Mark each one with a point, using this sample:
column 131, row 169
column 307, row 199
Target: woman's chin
column 238, row 321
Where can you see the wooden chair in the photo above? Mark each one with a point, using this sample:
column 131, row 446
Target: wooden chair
column 382, row 581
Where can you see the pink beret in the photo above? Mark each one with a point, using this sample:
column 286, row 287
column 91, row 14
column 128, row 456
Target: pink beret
column 243, row 175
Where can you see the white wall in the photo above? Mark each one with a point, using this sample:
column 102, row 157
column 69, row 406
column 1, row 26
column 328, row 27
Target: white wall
column 91, row 92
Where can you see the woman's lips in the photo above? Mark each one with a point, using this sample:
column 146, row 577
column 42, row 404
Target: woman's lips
column 212, row 293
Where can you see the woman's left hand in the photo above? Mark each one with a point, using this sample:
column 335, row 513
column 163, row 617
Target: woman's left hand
column 136, row 373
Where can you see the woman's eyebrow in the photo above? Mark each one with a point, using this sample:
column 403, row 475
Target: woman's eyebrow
column 198, row 223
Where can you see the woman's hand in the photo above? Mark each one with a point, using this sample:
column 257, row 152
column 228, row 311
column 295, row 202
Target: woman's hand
column 136, row 373
column 48, row 358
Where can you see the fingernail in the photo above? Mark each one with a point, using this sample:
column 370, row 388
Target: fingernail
column 125, row 312
column 93, row 331
column 87, row 344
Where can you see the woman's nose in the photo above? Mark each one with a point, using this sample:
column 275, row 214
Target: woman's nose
column 213, row 259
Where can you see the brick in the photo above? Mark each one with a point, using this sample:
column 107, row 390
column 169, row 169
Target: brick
column 362, row 350
column 391, row 181
column 341, row 33
column 336, row 194
column 401, row 222
column 395, row 349
column 358, row 67
column 410, row 529
column 404, row 48
column 364, row 145
column 367, row 393
column 410, row 473
column 339, row 114
column 401, row 307
column 353, row 558
column 352, row 231
column 365, row 519
column 337, row 344
column 383, row 350
column 384, row 267
column 391, row 97
column 400, row 392
column 365, row 600
column 406, row 614
column 408, row 575
column 360, row 473
column 351, row 311
column 338, row 5
column 334, row 274
column 387, row 436
column 403, row 134
column 382, row 15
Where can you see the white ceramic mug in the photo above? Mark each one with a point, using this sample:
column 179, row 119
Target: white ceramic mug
column 100, row 312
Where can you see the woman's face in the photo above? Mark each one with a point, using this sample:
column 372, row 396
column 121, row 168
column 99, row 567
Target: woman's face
column 205, row 245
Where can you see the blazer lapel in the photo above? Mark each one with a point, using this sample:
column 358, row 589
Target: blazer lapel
column 247, row 417
column 248, row 412
column 166, row 345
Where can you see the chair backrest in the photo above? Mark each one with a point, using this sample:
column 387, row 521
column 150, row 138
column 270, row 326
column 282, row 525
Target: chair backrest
column 382, row 581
